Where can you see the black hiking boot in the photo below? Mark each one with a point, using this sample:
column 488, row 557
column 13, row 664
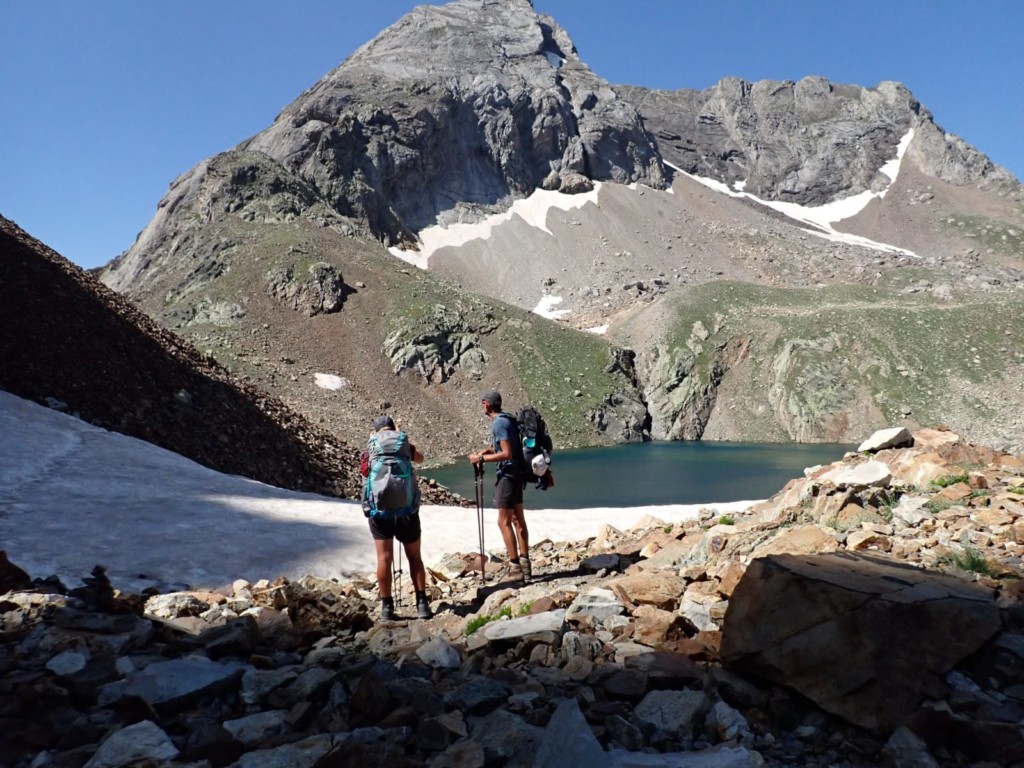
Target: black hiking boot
column 423, row 607
column 387, row 609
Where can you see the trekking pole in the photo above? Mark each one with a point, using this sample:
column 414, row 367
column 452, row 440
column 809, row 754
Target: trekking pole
column 397, row 575
column 478, row 476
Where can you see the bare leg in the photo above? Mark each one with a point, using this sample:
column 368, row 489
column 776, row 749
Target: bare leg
column 417, row 572
column 505, row 517
column 519, row 523
column 385, row 558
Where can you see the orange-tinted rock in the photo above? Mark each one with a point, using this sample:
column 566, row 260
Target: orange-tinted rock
column 800, row 539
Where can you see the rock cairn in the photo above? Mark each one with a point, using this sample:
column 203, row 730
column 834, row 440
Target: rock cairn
column 868, row 614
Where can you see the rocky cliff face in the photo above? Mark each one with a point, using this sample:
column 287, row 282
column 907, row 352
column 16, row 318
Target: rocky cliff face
column 454, row 112
column 808, row 142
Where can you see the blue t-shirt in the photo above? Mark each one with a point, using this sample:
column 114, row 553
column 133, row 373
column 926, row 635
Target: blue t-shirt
column 504, row 427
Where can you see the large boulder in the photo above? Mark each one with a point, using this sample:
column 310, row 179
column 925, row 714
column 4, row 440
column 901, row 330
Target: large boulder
column 862, row 637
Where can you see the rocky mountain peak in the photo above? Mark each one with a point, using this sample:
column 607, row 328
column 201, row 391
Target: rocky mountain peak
column 454, row 112
column 471, row 37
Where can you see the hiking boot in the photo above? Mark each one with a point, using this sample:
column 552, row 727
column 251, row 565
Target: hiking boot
column 387, row 610
column 527, row 568
column 423, row 608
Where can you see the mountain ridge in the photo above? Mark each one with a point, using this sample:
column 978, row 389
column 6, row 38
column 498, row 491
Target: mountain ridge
column 454, row 113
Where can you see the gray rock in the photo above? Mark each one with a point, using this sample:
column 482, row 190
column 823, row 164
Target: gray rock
column 311, row 684
column 717, row 757
column 142, row 742
column 626, row 650
column 169, row 686
column 697, row 612
column 477, row 696
column 301, row 754
column 258, row 726
column 416, row 693
column 257, row 684
column 905, row 749
column 547, row 621
column 568, row 741
column 671, row 713
column 623, row 734
column 175, row 605
column 69, row 662
column 622, row 416
column 626, row 684
column 581, row 646
column 866, row 475
column 317, row 290
column 912, row 510
column 727, row 724
column 466, row 753
column 435, row 345
column 439, row 654
column 895, row 437
column 508, row 740
column 597, row 603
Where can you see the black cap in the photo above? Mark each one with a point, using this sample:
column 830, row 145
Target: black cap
column 383, row 421
column 492, row 398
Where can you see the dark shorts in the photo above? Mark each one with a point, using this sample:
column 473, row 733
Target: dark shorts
column 405, row 529
column 508, row 493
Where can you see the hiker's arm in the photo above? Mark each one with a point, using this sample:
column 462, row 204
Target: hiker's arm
column 416, row 455
column 489, row 455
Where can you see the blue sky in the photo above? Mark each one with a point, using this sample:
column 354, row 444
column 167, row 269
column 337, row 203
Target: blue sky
column 103, row 104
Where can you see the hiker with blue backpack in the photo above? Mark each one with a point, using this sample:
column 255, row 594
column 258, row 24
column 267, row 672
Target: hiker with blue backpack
column 506, row 450
column 391, row 501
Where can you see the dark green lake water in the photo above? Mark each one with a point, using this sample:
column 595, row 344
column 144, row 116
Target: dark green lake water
column 644, row 474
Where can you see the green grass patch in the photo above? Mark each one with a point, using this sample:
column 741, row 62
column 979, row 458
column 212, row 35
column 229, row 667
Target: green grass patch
column 886, row 502
column 938, row 505
column 947, row 480
column 726, row 520
column 479, row 621
column 991, row 234
column 970, row 559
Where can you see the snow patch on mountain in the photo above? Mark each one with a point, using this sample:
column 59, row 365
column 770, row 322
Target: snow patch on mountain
column 533, row 210
column 822, row 217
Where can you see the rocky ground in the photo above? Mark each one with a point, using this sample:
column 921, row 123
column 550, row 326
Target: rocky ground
column 868, row 614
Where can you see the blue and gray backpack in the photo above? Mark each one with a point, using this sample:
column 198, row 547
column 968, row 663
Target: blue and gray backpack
column 391, row 489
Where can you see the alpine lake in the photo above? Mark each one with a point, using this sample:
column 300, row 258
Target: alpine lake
column 657, row 473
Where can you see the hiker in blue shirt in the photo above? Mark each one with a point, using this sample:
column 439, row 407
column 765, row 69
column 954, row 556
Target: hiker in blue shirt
column 507, row 450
